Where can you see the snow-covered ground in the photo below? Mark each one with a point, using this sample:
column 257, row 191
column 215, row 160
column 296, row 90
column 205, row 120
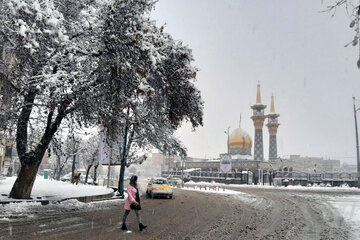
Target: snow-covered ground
column 349, row 208
column 342, row 200
column 30, row 210
column 53, row 190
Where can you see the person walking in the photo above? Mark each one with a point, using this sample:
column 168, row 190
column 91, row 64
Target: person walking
column 132, row 202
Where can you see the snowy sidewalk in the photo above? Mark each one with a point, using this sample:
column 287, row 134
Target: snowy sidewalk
column 51, row 190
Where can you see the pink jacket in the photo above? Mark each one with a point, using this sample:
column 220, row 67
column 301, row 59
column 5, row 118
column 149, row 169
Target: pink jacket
column 131, row 197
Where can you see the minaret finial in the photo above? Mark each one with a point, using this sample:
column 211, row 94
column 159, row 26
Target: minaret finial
column 272, row 108
column 258, row 96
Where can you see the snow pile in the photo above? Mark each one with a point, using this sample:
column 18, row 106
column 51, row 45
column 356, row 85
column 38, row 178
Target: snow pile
column 192, row 183
column 214, row 189
column 16, row 210
column 32, row 210
column 53, row 190
column 315, row 188
column 318, row 188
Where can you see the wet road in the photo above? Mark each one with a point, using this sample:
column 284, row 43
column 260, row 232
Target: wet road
column 257, row 214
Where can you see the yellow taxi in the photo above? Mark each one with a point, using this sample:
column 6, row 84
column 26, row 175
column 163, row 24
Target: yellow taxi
column 159, row 187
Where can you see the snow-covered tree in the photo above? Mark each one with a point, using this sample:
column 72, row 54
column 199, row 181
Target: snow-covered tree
column 89, row 154
column 352, row 8
column 49, row 54
column 146, row 111
column 91, row 62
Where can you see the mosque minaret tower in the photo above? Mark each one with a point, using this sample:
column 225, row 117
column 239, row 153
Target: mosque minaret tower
column 272, row 125
column 258, row 119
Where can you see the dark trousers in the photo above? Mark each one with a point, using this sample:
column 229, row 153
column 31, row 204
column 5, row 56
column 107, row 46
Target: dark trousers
column 137, row 212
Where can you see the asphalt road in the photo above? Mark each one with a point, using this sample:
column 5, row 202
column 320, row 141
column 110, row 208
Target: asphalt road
column 261, row 214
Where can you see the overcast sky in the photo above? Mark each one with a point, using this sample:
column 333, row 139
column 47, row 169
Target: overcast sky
column 293, row 50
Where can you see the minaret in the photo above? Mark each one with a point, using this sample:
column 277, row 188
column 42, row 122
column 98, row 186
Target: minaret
column 272, row 125
column 258, row 119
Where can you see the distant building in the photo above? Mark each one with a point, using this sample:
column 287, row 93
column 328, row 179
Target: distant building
column 350, row 168
column 7, row 156
column 331, row 166
column 296, row 163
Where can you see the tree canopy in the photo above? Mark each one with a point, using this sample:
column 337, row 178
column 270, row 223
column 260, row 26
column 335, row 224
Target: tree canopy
column 99, row 63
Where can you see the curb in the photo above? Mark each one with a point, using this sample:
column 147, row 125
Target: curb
column 86, row 199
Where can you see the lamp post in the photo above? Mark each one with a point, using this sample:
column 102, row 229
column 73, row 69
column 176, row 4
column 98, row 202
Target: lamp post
column 227, row 132
column 357, row 143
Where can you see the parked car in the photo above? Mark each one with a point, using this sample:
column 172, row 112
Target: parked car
column 159, row 187
column 66, row 177
column 90, row 180
column 173, row 181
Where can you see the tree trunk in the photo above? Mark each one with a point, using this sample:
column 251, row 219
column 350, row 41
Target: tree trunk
column 58, row 168
column 25, row 181
column 30, row 161
column 87, row 173
column 73, row 169
column 95, row 173
column 123, row 164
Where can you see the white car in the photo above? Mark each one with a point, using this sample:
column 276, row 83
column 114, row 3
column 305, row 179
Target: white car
column 66, row 177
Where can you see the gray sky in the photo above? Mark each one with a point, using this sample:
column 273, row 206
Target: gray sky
column 293, row 50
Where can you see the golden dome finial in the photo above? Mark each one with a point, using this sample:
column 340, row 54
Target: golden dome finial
column 272, row 108
column 258, row 96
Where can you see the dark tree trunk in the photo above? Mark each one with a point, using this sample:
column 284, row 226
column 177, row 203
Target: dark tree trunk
column 87, row 173
column 95, row 172
column 25, row 181
column 30, row 160
column 73, row 169
column 123, row 164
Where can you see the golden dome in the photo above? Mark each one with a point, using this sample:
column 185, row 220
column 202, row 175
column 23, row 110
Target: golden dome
column 239, row 139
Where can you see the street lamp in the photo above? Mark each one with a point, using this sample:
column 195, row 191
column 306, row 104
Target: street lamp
column 227, row 132
column 357, row 143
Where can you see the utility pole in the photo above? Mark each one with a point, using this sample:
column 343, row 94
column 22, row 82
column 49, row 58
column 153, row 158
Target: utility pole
column 357, row 143
column 228, row 151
